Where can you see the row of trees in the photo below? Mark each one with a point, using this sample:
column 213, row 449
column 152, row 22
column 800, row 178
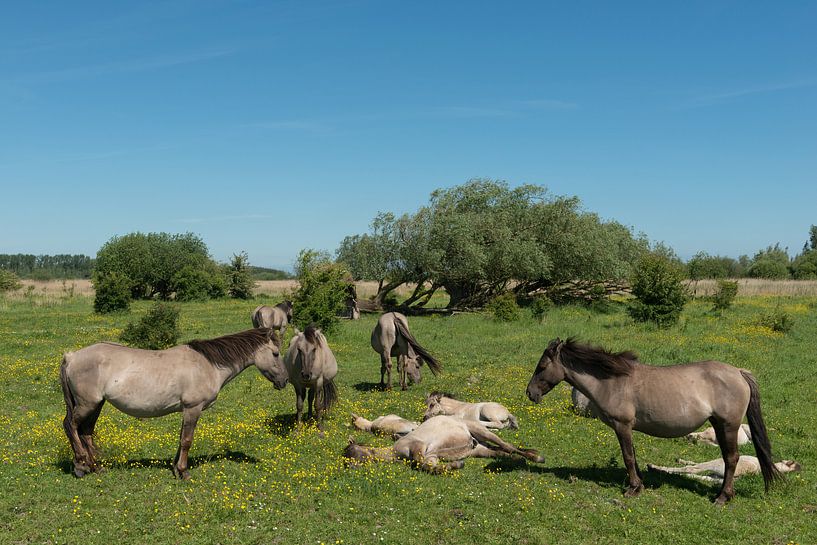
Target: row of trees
column 46, row 267
column 481, row 239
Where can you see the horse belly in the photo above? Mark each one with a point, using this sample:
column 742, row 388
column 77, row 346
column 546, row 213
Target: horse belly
column 671, row 420
column 138, row 397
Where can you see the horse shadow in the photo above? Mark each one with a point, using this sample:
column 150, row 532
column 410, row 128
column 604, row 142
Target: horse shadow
column 66, row 465
column 281, row 425
column 368, row 387
column 606, row 477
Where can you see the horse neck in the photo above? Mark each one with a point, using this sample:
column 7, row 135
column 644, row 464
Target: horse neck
column 228, row 373
column 577, row 376
column 451, row 404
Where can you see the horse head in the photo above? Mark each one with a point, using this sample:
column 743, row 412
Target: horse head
column 309, row 348
column 412, row 367
column 548, row 373
column 269, row 362
column 434, row 407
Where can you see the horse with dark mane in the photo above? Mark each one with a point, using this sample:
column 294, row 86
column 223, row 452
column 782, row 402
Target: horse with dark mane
column 312, row 368
column 391, row 337
column 276, row 317
column 147, row 383
column 667, row 401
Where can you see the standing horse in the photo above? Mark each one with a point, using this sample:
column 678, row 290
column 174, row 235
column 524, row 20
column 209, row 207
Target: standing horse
column 147, row 383
column 391, row 337
column 442, row 438
column 276, row 317
column 312, row 368
column 488, row 413
column 660, row 401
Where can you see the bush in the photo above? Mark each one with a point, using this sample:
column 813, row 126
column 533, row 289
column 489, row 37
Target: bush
column 239, row 277
column 504, row 307
column 539, row 306
column 323, row 288
column 778, row 320
column 112, row 292
column 725, row 296
column 156, row 330
column 8, row 281
column 660, row 295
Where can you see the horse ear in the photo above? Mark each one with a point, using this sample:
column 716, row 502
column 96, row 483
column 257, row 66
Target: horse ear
column 352, row 440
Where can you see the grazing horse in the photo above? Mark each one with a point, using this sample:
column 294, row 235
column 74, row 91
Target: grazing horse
column 391, row 337
column 660, row 401
column 713, row 470
column 391, row 425
column 312, row 368
column 489, row 414
column 147, row 383
column 441, row 438
column 276, row 317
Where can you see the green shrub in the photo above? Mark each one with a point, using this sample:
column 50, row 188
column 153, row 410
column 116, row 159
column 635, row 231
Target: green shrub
column 8, row 281
column 504, row 307
column 239, row 277
column 778, row 320
column 660, row 294
column 156, row 330
column 725, row 296
column 112, row 292
column 321, row 294
column 539, row 306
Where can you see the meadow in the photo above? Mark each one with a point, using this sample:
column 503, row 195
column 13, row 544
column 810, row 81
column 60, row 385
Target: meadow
column 258, row 479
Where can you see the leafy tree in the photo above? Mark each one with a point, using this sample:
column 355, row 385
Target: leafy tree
column 159, row 264
column 804, row 266
column 772, row 263
column 156, row 330
column 660, row 294
column 725, row 295
column 239, row 277
column 703, row 265
column 323, row 286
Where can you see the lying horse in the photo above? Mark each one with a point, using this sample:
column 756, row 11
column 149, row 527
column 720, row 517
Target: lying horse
column 391, row 337
column 660, row 401
column 489, row 414
column 312, row 368
column 391, row 425
column 276, row 317
column 713, row 470
column 441, row 438
column 148, row 383
column 707, row 436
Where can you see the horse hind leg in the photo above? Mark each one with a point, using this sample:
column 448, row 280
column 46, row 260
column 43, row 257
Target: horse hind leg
column 86, row 435
column 727, row 436
column 385, row 369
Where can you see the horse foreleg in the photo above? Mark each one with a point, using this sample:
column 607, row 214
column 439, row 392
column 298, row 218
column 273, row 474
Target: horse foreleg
column 728, row 441
column 190, row 417
column 310, row 392
column 625, row 441
column 299, row 405
column 401, row 369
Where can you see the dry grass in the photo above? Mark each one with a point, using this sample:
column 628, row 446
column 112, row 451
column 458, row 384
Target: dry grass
column 757, row 286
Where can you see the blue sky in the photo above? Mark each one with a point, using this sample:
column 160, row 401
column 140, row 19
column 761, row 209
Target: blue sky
column 274, row 126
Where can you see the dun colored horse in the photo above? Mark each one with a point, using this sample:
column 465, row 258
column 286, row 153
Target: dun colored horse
column 660, row 401
column 488, row 413
column 312, row 368
column 439, row 439
column 713, row 470
column 147, row 383
column 391, row 337
column 392, row 425
column 276, row 317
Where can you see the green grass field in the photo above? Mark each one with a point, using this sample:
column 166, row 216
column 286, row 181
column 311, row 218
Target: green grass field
column 255, row 479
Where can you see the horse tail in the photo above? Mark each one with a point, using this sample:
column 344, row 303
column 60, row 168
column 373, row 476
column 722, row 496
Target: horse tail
column 329, row 395
column 256, row 318
column 513, row 422
column 433, row 364
column 760, row 437
column 67, row 394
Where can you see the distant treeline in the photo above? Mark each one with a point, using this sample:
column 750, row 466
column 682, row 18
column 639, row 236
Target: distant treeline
column 263, row 273
column 47, row 267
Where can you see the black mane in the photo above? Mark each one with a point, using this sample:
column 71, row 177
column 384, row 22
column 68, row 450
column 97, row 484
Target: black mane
column 598, row 361
column 232, row 350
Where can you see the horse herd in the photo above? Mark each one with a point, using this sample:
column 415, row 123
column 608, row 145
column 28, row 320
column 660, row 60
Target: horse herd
column 625, row 394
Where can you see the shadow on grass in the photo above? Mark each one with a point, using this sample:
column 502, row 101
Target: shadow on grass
column 369, row 387
column 607, row 477
column 281, row 424
column 67, row 465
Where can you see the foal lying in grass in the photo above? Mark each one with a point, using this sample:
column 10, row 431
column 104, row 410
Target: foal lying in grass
column 440, row 443
column 713, row 470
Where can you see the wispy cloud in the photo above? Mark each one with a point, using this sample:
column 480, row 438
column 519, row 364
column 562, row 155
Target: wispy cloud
column 222, row 219
column 717, row 98
column 121, row 66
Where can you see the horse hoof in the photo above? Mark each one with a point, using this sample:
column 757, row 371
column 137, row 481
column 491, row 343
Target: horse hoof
column 721, row 500
column 633, row 491
column 79, row 473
